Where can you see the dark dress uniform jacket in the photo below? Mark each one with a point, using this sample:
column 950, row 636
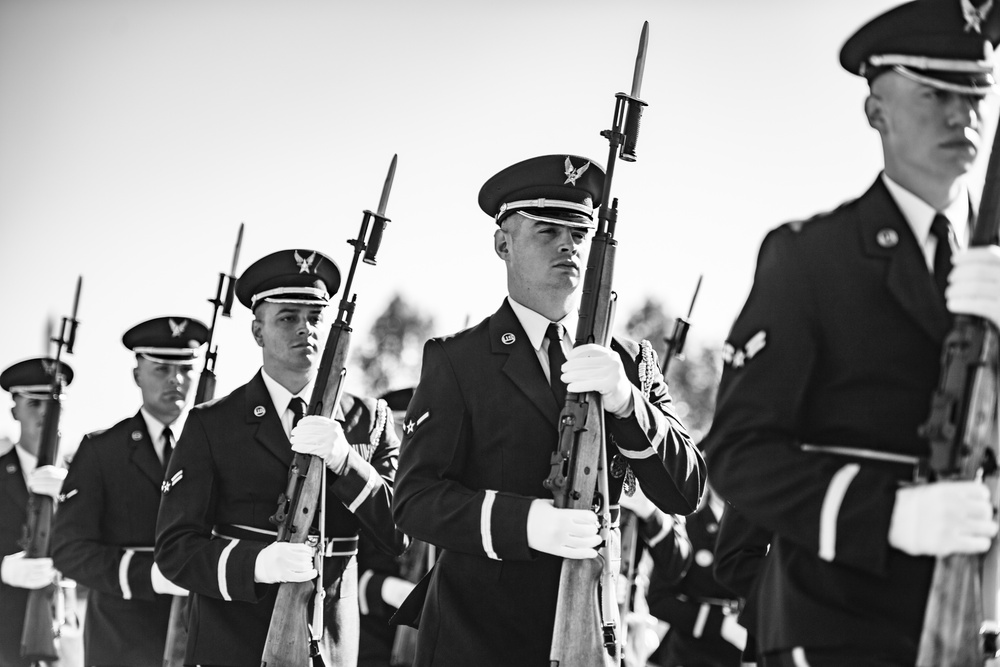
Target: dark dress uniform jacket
column 838, row 345
column 230, row 465
column 694, row 606
column 103, row 538
column 13, row 514
column 479, row 434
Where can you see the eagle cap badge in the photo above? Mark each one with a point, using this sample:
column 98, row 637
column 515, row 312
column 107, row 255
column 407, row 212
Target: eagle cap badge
column 177, row 328
column 572, row 173
column 305, row 263
column 974, row 16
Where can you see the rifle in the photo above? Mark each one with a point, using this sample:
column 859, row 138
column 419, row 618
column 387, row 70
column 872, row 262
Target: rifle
column 675, row 344
column 960, row 625
column 177, row 622
column 40, row 626
column 578, row 479
column 290, row 641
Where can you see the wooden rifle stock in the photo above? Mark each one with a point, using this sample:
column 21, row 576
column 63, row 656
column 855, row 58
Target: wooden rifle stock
column 960, row 624
column 290, row 642
column 177, row 622
column 38, row 638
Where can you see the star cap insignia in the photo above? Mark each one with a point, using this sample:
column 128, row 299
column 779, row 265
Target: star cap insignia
column 177, row 328
column 572, row 173
column 974, row 16
column 305, row 264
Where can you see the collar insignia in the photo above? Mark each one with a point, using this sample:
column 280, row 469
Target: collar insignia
column 887, row 238
column 572, row 173
column 974, row 16
column 177, row 328
column 508, row 339
column 305, row 264
column 137, row 435
column 11, row 468
column 259, row 411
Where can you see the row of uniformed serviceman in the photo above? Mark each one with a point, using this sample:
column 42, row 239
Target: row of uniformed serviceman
column 829, row 370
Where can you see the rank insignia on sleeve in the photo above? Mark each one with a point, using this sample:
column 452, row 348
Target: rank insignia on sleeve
column 172, row 482
column 739, row 358
column 63, row 497
column 410, row 426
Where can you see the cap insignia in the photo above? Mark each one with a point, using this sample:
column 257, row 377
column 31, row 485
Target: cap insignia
column 887, row 238
column 572, row 173
column 305, row 264
column 177, row 328
column 974, row 16
column 51, row 370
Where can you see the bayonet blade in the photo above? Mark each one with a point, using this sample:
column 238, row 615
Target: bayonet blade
column 387, row 187
column 236, row 252
column 640, row 61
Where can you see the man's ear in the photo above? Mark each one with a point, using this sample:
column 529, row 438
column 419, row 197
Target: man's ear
column 255, row 326
column 875, row 112
column 135, row 375
column 501, row 244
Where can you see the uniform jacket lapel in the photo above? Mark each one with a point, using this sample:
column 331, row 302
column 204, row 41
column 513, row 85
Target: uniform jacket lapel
column 12, row 479
column 142, row 455
column 887, row 236
column 522, row 365
column 266, row 419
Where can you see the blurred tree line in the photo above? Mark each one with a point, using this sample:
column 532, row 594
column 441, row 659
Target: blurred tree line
column 389, row 358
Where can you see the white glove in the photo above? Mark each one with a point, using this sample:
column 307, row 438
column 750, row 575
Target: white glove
column 164, row 586
column 638, row 504
column 565, row 533
column 974, row 283
column 395, row 590
column 942, row 518
column 284, row 561
column 21, row 572
column 47, row 481
column 733, row 632
column 597, row 368
column 322, row 437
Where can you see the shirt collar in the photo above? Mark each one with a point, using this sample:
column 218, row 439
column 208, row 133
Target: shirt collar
column 155, row 427
column 27, row 460
column 535, row 324
column 919, row 214
column 281, row 396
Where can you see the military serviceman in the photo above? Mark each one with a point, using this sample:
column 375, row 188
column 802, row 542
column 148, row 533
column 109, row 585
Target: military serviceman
column 482, row 427
column 30, row 384
column 831, row 364
column 385, row 581
column 214, row 536
column 106, row 524
column 701, row 612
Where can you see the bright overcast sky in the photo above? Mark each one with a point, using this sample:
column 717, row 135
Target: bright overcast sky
column 136, row 136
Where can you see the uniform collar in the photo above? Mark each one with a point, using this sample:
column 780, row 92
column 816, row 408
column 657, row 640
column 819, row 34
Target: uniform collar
column 535, row 325
column 27, row 460
column 919, row 214
column 155, row 427
column 281, row 396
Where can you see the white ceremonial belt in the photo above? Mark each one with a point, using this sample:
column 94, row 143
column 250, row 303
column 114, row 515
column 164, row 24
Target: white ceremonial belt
column 867, row 454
